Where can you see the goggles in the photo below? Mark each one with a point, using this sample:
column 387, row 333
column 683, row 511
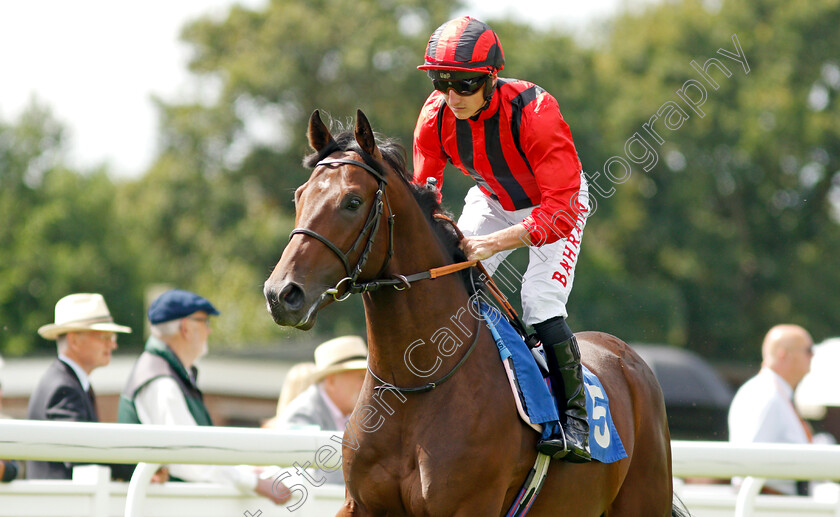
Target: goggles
column 461, row 86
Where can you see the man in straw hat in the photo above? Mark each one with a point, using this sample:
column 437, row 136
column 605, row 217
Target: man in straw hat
column 85, row 335
column 337, row 379
column 162, row 387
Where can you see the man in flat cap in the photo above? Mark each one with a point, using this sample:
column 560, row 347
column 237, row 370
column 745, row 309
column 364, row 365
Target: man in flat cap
column 85, row 335
column 162, row 389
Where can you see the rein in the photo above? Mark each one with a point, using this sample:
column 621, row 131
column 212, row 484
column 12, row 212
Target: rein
column 497, row 293
column 385, row 385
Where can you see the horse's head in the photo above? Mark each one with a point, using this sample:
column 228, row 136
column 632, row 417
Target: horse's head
column 338, row 237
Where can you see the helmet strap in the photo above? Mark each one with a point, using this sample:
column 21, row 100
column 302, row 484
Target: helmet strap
column 489, row 88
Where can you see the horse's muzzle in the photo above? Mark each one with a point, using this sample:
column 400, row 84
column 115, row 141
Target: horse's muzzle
column 286, row 303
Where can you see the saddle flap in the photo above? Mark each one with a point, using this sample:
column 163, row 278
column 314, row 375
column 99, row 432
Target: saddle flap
column 534, row 401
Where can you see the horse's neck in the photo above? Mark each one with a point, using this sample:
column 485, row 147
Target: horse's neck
column 428, row 318
column 417, row 335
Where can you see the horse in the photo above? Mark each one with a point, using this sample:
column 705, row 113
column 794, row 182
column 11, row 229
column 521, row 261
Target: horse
column 435, row 430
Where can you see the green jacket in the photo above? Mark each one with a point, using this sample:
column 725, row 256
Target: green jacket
column 158, row 360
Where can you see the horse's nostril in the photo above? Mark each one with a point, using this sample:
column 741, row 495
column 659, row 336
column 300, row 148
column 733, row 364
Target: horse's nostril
column 291, row 296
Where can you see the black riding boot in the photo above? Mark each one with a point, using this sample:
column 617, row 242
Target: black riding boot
column 563, row 355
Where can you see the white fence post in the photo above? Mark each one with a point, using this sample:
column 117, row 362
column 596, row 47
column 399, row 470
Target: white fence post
column 745, row 503
column 837, row 508
column 99, row 479
column 136, row 496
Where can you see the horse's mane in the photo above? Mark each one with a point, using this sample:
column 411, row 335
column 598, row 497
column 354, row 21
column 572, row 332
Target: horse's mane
column 394, row 155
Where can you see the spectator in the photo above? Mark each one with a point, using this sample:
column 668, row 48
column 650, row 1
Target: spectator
column 762, row 410
column 162, row 387
column 297, row 380
column 8, row 468
column 336, row 382
column 85, row 335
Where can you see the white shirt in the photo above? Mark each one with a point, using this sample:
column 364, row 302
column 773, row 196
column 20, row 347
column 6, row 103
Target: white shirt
column 763, row 412
column 338, row 417
column 161, row 402
column 81, row 374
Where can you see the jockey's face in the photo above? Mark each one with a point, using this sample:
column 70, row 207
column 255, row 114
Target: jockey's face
column 465, row 105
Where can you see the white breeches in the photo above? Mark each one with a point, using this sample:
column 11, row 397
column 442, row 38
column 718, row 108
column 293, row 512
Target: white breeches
column 548, row 279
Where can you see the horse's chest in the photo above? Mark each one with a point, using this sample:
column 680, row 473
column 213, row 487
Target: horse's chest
column 418, row 482
column 412, row 495
column 420, row 461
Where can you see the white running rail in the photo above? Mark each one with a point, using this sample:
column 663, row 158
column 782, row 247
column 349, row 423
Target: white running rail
column 121, row 443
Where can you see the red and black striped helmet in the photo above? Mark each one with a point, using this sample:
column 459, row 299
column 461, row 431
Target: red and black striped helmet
column 464, row 44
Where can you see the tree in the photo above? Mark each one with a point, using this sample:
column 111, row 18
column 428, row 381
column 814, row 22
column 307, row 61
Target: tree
column 716, row 182
column 58, row 235
column 735, row 213
column 218, row 201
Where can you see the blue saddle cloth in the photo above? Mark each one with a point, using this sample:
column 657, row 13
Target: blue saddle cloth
column 604, row 442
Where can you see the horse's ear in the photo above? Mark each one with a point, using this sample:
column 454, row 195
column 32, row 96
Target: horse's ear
column 364, row 135
column 318, row 134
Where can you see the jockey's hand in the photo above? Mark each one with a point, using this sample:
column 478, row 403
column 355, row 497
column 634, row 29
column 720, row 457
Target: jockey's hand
column 478, row 247
column 481, row 247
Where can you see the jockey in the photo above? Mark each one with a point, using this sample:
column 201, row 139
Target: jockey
column 510, row 137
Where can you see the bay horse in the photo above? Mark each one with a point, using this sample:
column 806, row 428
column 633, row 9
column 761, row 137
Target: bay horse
column 447, row 441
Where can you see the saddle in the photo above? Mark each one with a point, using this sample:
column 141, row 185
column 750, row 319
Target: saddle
column 527, row 375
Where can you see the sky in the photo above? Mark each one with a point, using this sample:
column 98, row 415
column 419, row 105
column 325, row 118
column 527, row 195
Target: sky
column 99, row 78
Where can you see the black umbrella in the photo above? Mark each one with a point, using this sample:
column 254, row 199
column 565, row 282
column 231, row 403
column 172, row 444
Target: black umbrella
column 696, row 396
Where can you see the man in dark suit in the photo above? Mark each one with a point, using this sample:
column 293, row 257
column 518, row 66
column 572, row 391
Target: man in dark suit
column 8, row 468
column 85, row 335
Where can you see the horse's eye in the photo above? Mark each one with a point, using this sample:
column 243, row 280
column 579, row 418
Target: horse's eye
column 352, row 203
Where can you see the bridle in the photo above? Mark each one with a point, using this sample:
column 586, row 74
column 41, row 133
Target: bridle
column 371, row 226
column 399, row 282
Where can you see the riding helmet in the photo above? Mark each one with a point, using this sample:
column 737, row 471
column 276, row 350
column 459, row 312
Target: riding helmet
column 464, row 44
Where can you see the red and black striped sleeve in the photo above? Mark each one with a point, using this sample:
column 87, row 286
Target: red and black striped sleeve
column 429, row 156
column 547, row 142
